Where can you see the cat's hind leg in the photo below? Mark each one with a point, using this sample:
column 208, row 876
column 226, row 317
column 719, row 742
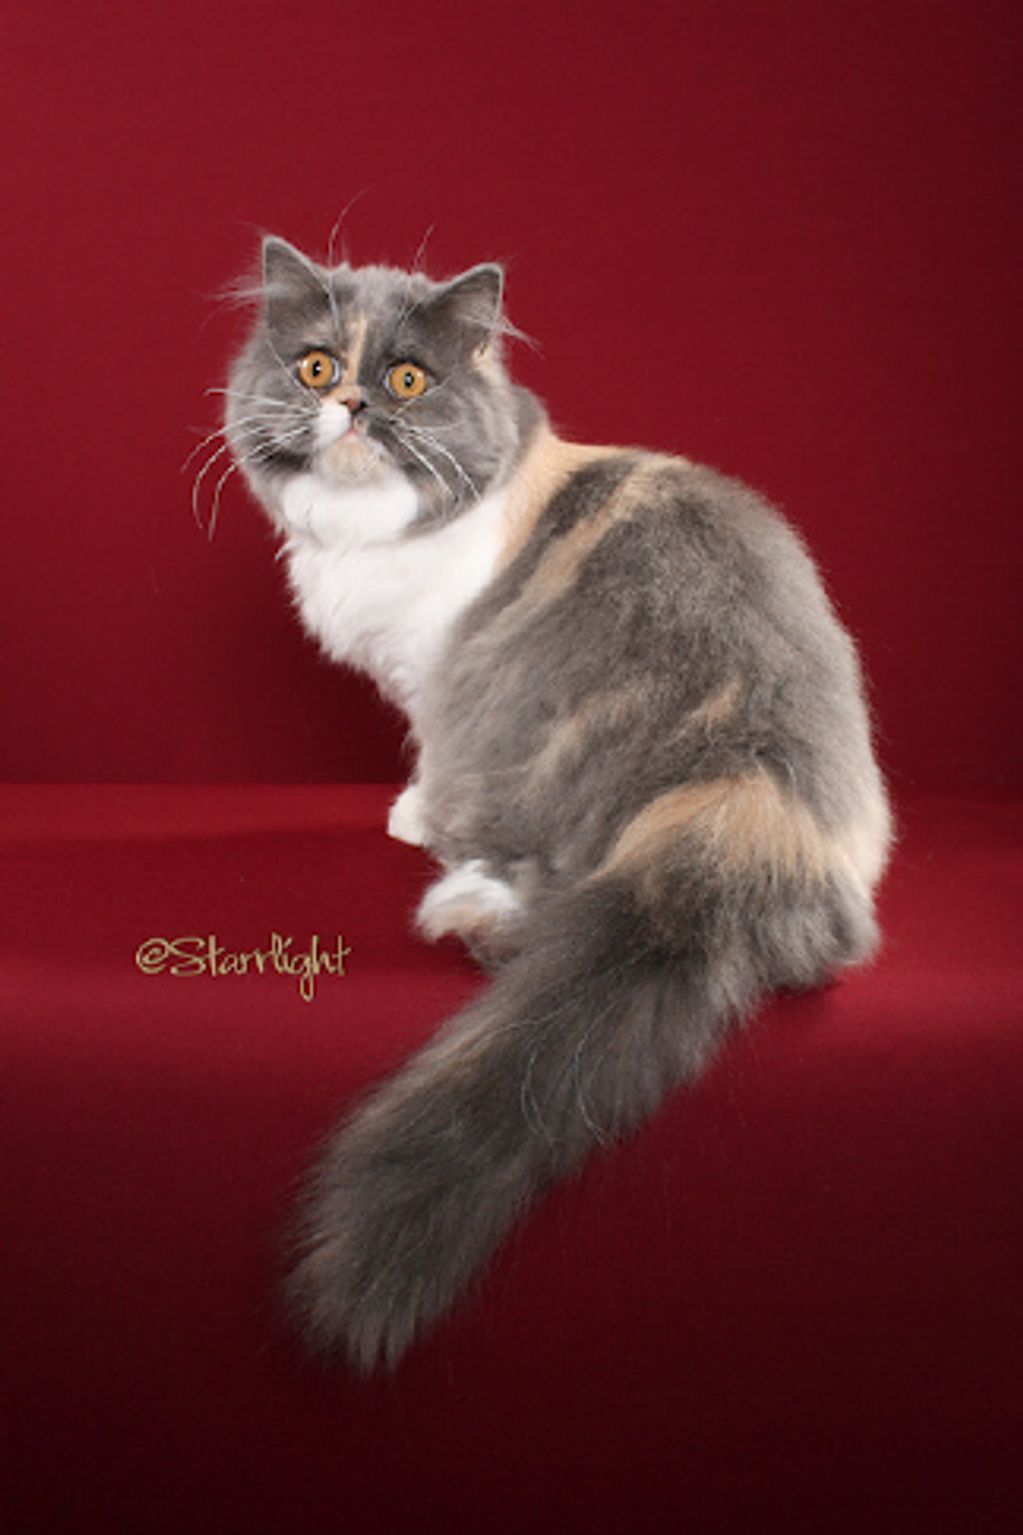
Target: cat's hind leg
column 478, row 907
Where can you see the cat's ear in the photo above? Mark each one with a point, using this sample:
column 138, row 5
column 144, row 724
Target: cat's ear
column 292, row 284
column 470, row 305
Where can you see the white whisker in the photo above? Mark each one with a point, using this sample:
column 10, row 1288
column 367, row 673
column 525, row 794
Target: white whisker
column 345, row 211
column 217, row 432
column 255, row 416
column 246, row 394
column 431, row 441
column 435, row 390
column 211, row 529
column 424, row 461
column 253, row 448
column 417, row 259
column 225, row 447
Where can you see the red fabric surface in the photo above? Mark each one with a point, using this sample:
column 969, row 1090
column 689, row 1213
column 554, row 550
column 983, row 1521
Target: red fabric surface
column 790, row 1304
column 783, row 239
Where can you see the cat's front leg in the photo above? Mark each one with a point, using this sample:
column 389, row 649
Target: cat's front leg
column 405, row 817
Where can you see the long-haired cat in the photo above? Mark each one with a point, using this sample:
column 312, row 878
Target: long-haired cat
column 643, row 759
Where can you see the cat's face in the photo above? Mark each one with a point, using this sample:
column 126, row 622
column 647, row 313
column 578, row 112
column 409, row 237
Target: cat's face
column 359, row 375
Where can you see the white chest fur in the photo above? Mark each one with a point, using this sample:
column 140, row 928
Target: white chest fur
column 376, row 596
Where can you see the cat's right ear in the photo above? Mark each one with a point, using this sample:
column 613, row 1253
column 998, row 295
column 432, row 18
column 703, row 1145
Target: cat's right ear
column 469, row 306
column 292, row 285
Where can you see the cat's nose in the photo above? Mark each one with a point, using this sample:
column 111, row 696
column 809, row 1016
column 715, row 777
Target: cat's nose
column 352, row 398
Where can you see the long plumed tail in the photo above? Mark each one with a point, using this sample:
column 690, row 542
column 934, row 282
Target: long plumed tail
column 574, row 1044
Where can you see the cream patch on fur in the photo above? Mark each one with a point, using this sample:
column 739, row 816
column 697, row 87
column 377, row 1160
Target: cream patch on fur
column 718, row 707
column 548, row 465
column 864, row 845
column 562, row 562
column 744, row 822
column 376, row 595
column 747, row 822
column 576, row 734
column 466, row 899
column 356, row 344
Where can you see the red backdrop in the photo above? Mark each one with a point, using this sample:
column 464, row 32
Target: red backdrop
column 781, row 238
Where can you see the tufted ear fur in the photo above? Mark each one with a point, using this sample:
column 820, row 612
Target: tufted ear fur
column 291, row 282
column 469, row 306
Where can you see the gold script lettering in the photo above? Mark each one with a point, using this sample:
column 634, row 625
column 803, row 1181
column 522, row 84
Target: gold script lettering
column 193, row 955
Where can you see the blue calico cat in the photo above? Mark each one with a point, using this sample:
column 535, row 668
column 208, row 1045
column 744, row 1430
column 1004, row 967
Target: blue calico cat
column 643, row 767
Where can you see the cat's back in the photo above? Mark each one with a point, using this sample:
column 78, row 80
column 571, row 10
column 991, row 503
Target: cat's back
column 655, row 622
column 615, row 540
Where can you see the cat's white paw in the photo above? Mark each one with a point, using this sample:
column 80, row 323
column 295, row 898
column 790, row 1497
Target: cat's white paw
column 404, row 819
column 482, row 910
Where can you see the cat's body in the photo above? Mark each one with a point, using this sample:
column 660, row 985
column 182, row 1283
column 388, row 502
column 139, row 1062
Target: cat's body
column 643, row 759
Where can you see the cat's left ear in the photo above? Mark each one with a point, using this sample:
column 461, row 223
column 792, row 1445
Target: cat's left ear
column 470, row 306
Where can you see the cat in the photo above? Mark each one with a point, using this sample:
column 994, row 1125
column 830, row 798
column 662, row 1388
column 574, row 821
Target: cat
column 643, row 760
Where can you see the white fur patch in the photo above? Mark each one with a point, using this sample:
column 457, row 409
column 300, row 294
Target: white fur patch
column 465, row 896
column 404, row 820
column 332, row 422
column 345, row 516
column 373, row 598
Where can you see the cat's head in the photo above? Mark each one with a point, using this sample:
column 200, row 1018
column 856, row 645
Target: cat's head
column 361, row 375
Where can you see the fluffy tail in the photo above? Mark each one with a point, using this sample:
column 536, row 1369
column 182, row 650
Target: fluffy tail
column 574, row 1044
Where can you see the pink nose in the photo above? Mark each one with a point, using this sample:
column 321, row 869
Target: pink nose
column 351, row 397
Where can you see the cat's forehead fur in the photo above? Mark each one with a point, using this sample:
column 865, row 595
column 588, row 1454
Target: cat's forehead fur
column 378, row 291
column 380, row 288
column 306, row 302
column 379, row 305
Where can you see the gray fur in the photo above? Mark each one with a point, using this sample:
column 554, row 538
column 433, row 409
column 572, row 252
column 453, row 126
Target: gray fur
column 271, row 418
column 690, row 647
column 708, row 585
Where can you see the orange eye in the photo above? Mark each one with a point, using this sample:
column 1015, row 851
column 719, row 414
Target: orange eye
column 406, row 380
column 318, row 370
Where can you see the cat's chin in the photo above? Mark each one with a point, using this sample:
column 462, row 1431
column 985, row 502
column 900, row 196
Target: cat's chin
column 346, row 510
column 354, row 459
